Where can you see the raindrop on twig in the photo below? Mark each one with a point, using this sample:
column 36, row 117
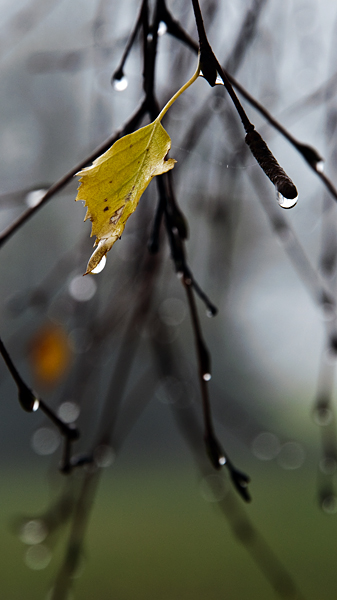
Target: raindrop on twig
column 162, row 28
column 120, row 84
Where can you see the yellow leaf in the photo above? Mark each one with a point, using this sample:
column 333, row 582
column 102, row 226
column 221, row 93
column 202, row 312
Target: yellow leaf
column 112, row 186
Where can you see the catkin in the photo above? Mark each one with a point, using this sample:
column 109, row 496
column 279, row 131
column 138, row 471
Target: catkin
column 270, row 166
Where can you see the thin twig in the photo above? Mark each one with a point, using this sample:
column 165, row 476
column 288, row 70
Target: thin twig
column 215, row 451
column 31, row 403
column 119, row 72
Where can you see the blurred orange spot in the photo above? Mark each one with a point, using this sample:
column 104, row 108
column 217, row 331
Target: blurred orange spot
column 49, row 354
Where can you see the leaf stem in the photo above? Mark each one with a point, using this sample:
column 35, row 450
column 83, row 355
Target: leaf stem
column 178, row 93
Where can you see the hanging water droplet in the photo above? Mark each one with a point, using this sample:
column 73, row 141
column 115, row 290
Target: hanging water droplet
column 100, row 266
column 120, row 84
column 222, row 460
column 206, row 376
column 286, row 202
column 36, row 405
column 219, row 80
column 320, row 166
column 210, row 312
column 162, row 29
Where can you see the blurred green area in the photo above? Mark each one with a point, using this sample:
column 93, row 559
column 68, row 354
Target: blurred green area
column 152, row 535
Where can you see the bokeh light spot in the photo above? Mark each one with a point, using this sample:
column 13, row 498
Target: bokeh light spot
column 68, row 411
column 38, row 557
column 291, row 456
column 266, row 446
column 82, row 288
column 45, row 441
column 33, row 532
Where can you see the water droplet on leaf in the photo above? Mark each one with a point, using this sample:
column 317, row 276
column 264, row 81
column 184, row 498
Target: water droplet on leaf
column 286, row 202
column 100, row 266
column 206, row 376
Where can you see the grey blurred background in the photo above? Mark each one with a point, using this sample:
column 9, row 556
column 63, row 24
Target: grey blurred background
column 271, row 340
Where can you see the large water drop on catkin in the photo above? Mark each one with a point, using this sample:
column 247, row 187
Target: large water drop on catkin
column 286, row 202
